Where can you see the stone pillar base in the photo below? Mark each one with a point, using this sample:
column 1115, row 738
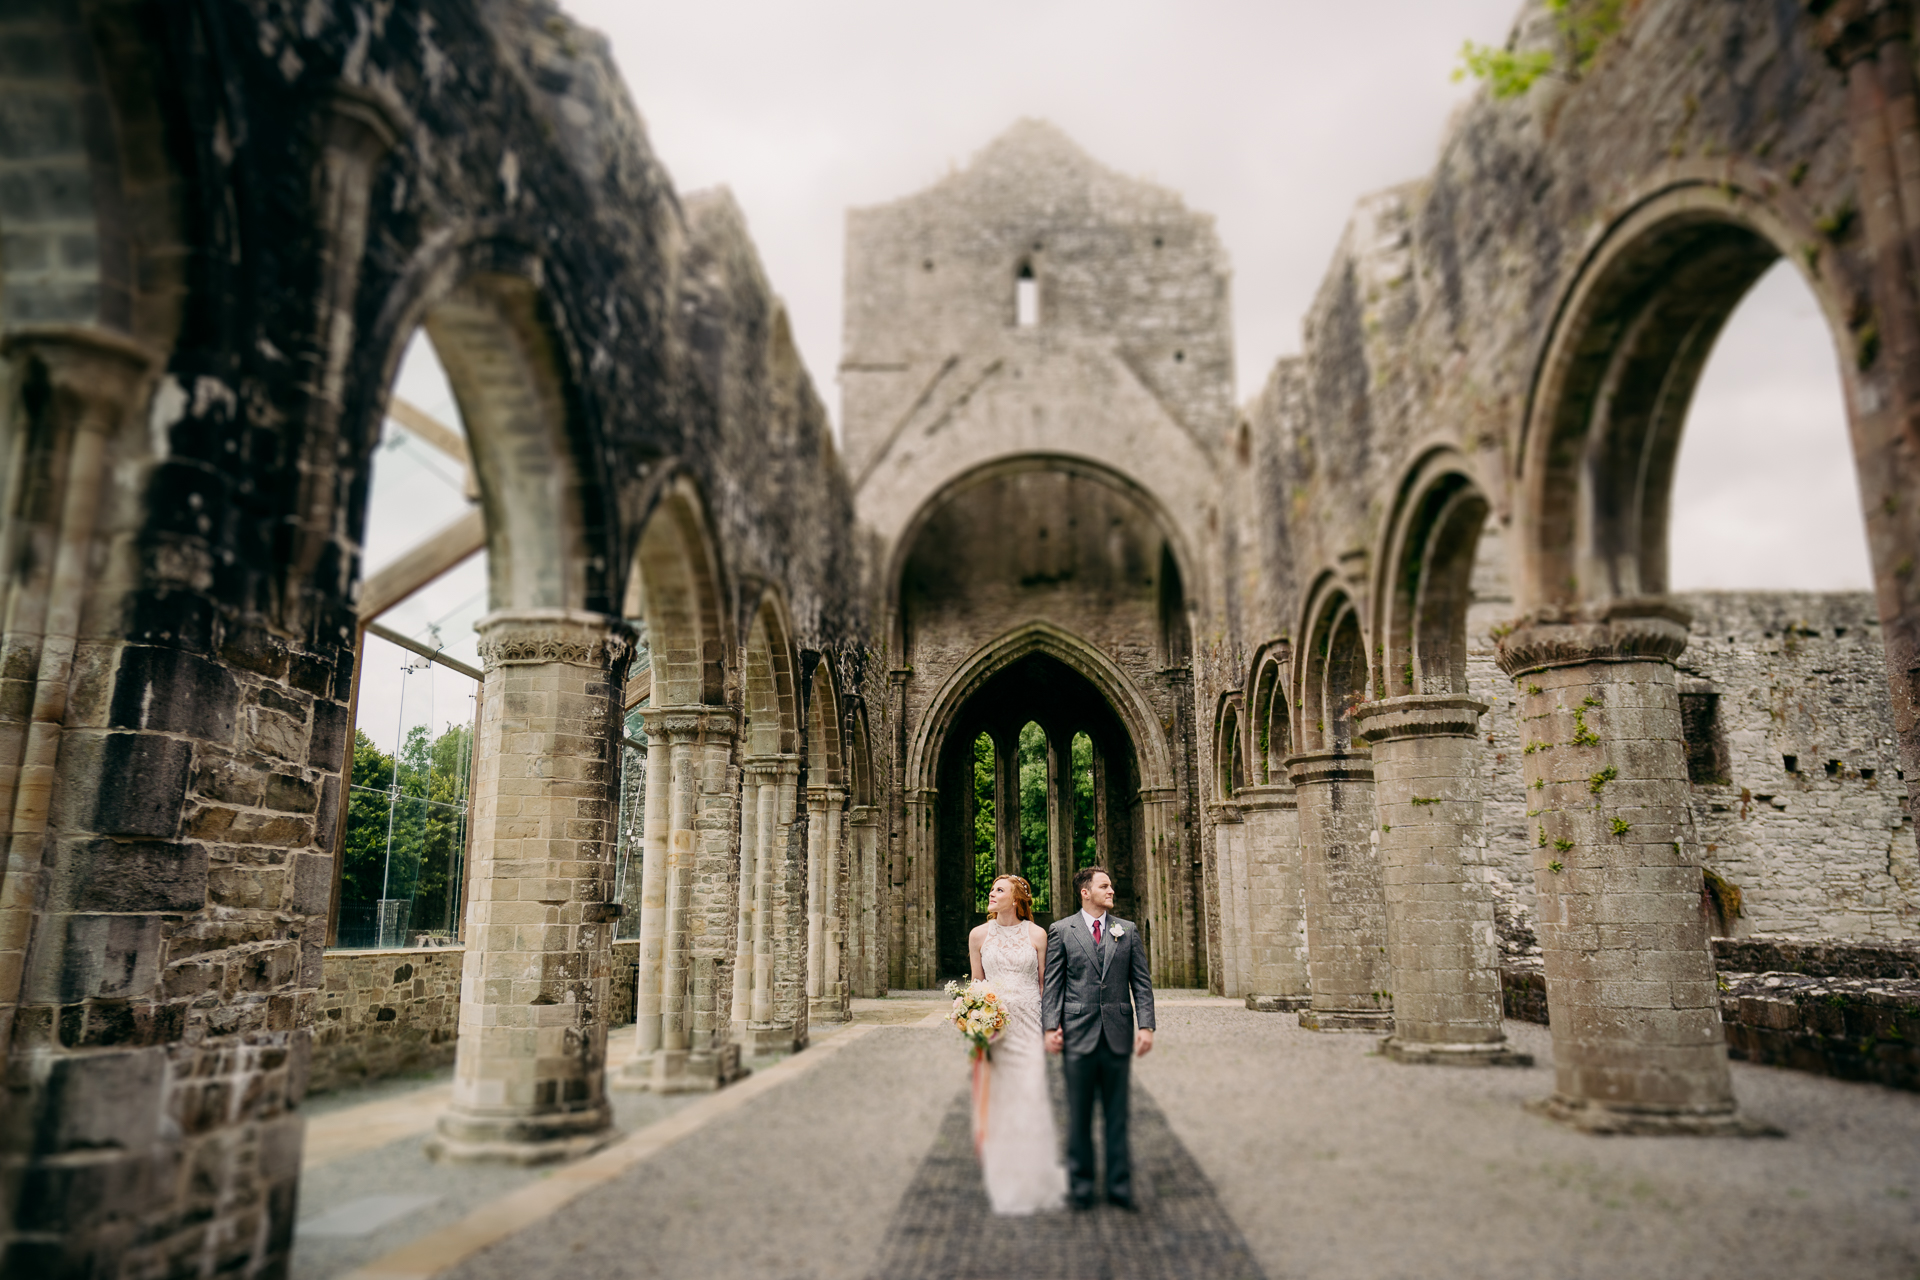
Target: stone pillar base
column 1595, row 1117
column 1374, row 1020
column 1277, row 1004
column 832, row 1009
column 1499, row 1053
column 764, row 1038
column 682, row 1070
column 460, row 1138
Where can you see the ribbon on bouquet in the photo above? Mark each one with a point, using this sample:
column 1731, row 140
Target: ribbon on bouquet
column 982, row 1083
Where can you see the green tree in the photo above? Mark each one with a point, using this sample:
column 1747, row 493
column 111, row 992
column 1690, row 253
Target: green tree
column 1085, row 844
column 983, row 820
column 406, row 830
column 1584, row 27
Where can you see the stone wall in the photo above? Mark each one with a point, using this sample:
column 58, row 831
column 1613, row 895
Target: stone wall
column 1768, row 680
column 1821, row 1005
column 386, row 1013
column 301, row 197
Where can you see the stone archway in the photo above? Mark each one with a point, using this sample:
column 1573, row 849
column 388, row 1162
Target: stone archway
column 1332, row 774
column 1043, row 674
column 1423, row 731
column 1592, row 655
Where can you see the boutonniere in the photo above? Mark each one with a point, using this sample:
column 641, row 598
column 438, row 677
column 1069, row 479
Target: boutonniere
column 1118, row 932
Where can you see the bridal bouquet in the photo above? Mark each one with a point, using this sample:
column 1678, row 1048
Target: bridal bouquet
column 978, row 1014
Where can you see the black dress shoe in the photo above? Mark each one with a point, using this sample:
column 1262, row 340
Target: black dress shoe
column 1121, row 1202
column 1081, row 1202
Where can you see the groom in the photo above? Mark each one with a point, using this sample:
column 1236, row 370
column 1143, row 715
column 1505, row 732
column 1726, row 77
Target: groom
column 1096, row 984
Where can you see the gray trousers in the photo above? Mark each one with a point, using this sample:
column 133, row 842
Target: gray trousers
column 1101, row 1074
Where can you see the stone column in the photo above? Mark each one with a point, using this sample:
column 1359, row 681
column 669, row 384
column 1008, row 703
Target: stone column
column 774, row 774
column 713, row 1054
column 1637, row 1042
column 1270, row 848
column 530, row 1074
column 912, row 890
column 1346, row 906
column 905, row 824
column 1159, row 821
column 648, row 982
column 1060, row 828
column 1236, row 923
column 678, row 1045
column 1007, row 854
column 740, row 1011
column 1440, row 935
column 870, row 975
column 92, row 381
column 827, row 989
column 779, row 1022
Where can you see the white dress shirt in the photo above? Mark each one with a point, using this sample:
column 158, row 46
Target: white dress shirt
column 1090, row 918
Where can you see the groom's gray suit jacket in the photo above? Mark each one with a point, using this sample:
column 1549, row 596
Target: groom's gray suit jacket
column 1088, row 988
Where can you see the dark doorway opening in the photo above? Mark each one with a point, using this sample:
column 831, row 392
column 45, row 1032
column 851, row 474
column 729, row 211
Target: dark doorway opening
column 1037, row 777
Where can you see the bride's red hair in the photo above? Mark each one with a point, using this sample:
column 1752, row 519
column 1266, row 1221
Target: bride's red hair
column 1022, row 895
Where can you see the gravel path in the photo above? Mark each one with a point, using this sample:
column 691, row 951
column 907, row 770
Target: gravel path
column 944, row 1228
column 1341, row 1165
column 798, row 1185
column 1333, row 1163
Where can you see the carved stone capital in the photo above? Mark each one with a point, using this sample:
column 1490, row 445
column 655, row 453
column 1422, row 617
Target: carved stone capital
column 689, row 724
column 1223, row 813
column 863, row 815
column 826, row 796
column 770, row 770
column 1329, row 766
column 1270, row 796
column 541, row 636
column 1645, row 629
column 95, row 371
column 1159, row 795
column 1419, row 715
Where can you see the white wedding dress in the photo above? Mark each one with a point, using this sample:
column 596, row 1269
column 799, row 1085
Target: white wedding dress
column 1019, row 1151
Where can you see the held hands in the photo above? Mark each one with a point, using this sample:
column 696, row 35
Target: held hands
column 1056, row 1040
column 1143, row 1042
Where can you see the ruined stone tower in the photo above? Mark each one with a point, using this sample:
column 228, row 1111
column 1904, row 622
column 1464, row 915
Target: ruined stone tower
column 1037, row 385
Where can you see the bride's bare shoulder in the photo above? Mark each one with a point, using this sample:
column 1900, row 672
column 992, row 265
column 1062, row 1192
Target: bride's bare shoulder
column 1035, row 932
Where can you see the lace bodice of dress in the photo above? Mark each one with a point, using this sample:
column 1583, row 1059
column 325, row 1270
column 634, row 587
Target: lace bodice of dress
column 1009, row 961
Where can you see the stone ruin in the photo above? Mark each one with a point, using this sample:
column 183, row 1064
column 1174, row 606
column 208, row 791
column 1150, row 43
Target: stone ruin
column 1381, row 685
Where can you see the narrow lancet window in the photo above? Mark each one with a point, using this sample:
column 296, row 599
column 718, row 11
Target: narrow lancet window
column 1026, row 298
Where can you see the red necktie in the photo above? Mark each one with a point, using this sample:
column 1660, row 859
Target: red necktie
column 1096, row 933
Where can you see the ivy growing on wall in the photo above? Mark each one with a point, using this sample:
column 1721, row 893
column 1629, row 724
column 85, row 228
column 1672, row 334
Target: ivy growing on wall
column 1584, row 27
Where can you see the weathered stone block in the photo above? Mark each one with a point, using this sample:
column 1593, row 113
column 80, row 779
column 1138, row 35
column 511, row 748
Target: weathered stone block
column 173, row 691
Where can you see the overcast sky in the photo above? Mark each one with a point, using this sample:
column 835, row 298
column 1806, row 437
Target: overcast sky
column 1273, row 117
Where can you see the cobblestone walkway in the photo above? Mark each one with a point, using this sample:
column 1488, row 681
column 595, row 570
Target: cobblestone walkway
column 1260, row 1149
column 944, row 1229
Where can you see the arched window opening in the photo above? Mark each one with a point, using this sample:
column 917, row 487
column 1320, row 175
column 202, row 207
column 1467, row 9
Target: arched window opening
column 1229, row 770
column 985, row 818
column 1086, row 835
column 404, row 846
column 1269, row 726
column 1764, row 491
column 1173, row 613
column 1346, row 676
column 1026, row 297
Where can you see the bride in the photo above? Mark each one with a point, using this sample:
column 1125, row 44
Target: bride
column 1019, row 1152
